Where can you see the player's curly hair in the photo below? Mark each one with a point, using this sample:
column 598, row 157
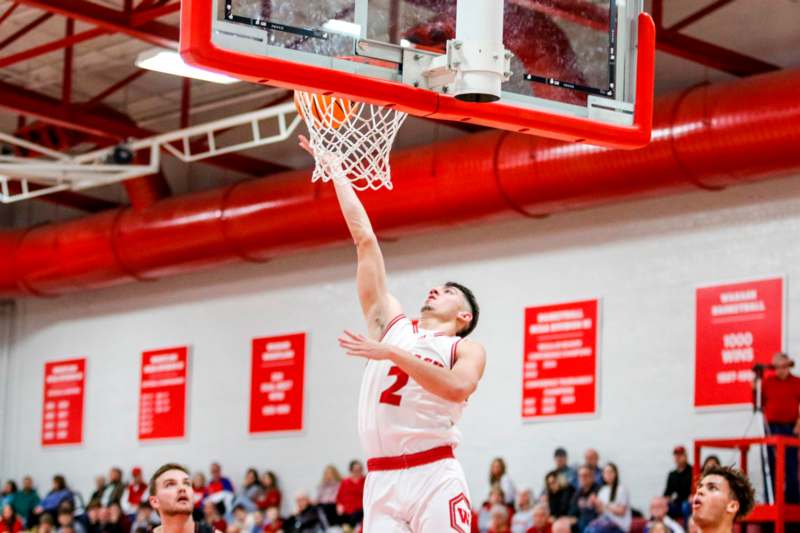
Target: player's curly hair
column 473, row 307
column 741, row 488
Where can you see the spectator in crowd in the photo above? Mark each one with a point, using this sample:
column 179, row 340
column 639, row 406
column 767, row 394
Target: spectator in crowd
column 65, row 519
column 711, row 460
column 9, row 491
column 612, row 504
column 583, row 507
column 496, row 497
column 238, row 523
column 541, row 520
column 308, row 518
column 58, row 494
column 99, row 488
column 592, row 460
column 272, row 521
column 112, row 493
column 558, row 494
column 679, row 484
column 522, row 520
column 349, row 500
column 658, row 515
column 218, row 482
column 250, row 492
column 657, row 527
column 145, row 520
column 272, row 495
column 499, row 476
column 327, row 491
column 90, row 520
column 134, row 493
column 199, row 493
column 45, row 524
column 212, row 515
column 563, row 469
column 723, row 496
column 10, row 522
column 117, row 521
column 499, row 518
column 781, row 403
column 562, row 525
column 25, row 501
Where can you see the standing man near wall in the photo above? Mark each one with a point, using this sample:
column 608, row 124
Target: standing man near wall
column 415, row 385
column 781, row 403
column 172, row 496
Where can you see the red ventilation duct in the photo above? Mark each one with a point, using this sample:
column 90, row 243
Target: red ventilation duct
column 705, row 137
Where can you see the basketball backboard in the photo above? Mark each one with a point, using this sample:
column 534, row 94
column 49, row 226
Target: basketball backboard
column 580, row 70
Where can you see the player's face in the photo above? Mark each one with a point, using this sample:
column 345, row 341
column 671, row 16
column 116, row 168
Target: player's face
column 445, row 302
column 713, row 501
column 174, row 494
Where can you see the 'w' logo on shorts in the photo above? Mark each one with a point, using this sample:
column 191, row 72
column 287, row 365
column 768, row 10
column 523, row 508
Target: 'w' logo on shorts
column 460, row 514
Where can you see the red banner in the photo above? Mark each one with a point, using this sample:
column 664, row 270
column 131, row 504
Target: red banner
column 560, row 362
column 162, row 394
column 737, row 326
column 276, row 385
column 62, row 414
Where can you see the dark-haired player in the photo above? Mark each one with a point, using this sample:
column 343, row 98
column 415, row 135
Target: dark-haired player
column 415, row 386
column 723, row 495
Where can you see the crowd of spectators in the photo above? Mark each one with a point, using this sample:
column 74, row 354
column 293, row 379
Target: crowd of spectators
column 588, row 498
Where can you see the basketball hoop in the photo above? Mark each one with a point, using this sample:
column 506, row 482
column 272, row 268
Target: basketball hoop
column 358, row 135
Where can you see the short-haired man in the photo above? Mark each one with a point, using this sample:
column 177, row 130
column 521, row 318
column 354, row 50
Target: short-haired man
column 723, row 496
column 415, row 386
column 172, row 496
column 781, row 402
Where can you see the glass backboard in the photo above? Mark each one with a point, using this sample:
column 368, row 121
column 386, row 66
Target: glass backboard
column 581, row 70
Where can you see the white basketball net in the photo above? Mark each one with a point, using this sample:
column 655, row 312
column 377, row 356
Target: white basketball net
column 358, row 136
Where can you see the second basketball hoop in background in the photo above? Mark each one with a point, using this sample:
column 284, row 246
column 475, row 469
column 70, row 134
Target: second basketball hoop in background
column 358, row 136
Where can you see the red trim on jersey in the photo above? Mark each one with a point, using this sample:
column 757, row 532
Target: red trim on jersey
column 453, row 353
column 401, row 462
column 415, row 326
column 391, row 323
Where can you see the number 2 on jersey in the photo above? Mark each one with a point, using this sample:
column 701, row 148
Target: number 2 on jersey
column 391, row 395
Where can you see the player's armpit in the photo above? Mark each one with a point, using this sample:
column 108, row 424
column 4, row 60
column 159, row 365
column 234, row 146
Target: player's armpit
column 469, row 366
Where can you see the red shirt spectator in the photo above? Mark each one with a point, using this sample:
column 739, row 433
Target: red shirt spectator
column 10, row 522
column 218, row 482
column 781, row 399
column 135, row 491
column 272, row 493
column 199, row 489
column 351, row 492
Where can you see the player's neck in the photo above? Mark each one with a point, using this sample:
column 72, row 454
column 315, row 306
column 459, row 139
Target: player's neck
column 724, row 527
column 433, row 324
column 177, row 523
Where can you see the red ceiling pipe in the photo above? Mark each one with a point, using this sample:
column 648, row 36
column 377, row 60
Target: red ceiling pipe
column 705, row 137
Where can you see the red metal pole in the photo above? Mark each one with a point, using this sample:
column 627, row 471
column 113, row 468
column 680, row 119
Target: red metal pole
column 22, row 31
column 51, row 47
column 66, row 85
column 186, row 101
column 743, row 449
column 697, row 15
column 116, row 87
column 8, row 12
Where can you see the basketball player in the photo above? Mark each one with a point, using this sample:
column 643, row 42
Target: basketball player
column 415, row 385
column 723, row 495
column 172, row 496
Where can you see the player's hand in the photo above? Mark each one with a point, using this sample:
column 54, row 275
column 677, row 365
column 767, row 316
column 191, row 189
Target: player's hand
column 304, row 143
column 361, row 346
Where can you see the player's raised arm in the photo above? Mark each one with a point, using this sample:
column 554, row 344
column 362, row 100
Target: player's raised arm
column 378, row 306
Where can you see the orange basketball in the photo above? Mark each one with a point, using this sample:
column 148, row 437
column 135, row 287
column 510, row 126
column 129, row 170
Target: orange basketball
column 326, row 111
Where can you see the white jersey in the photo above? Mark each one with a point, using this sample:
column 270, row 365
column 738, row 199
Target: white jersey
column 396, row 416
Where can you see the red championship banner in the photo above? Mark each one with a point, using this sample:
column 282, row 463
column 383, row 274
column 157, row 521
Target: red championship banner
column 62, row 415
column 560, row 362
column 276, row 384
column 737, row 326
column 162, row 393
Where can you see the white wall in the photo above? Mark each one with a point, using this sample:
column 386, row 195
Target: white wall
column 643, row 259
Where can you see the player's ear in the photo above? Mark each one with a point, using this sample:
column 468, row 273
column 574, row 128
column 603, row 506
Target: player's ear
column 466, row 316
column 732, row 507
